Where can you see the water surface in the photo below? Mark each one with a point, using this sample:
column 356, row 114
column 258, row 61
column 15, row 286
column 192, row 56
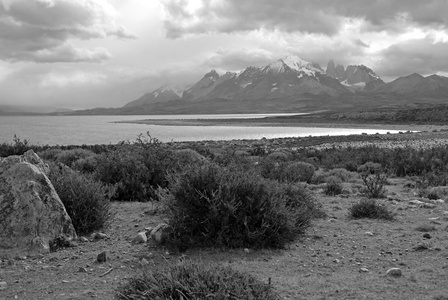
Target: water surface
column 78, row 130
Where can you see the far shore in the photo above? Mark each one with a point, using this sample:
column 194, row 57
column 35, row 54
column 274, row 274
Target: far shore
column 288, row 122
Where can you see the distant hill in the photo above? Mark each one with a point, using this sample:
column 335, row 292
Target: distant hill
column 27, row 110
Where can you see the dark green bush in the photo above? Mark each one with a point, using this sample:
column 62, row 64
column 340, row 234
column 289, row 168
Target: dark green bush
column 369, row 208
column 195, row 281
column 86, row 200
column 231, row 207
column 334, row 186
column 137, row 170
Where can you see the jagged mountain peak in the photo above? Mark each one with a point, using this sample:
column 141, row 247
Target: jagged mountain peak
column 212, row 75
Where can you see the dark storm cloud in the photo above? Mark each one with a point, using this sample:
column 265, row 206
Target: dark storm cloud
column 317, row 16
column 41, row 30
column 414, row 56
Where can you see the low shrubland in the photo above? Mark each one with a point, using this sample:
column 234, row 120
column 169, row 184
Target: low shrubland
column 189, row 280
column 211, row 205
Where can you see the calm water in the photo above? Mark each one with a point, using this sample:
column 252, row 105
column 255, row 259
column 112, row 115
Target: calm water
column 77, row 130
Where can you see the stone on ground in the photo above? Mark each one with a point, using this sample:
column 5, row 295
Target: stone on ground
column 160, row 233
column 31, row 212
column 140, row 238
column 394, row 272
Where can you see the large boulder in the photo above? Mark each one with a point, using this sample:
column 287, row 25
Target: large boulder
column 31, row 213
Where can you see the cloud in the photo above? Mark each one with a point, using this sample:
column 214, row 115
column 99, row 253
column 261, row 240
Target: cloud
column 42, row 30
column 423, row 56
column 239, row 59
column 326, row 17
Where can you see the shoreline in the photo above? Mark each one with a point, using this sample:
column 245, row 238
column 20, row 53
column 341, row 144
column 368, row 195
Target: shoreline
column 274, row 122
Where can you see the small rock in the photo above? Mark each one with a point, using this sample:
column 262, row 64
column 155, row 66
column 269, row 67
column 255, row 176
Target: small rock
column 103, row 257
column 82, row 270
column 140, row 238
column 83, row 239
column 416, row 202
column 144, row 262
column 368, row 233
column 160, row 232
column 246, row 250
column 427, row 236
column 429, row 205
column 3, row 286
column 364, row 270
column 99, row 236
column 148, row 231
column 337, row 261
column 440, row 201
column 394, row 272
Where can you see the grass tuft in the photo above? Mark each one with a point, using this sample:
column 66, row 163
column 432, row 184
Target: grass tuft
column 193, row 281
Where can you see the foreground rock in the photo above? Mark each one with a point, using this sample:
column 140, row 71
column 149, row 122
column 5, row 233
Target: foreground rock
column 31, row 213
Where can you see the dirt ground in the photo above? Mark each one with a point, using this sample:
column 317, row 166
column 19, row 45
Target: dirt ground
column 338, row 258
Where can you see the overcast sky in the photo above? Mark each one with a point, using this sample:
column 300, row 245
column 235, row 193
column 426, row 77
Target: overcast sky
column 105, row 53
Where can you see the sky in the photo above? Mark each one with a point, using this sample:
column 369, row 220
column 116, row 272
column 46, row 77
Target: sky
column 105, row 53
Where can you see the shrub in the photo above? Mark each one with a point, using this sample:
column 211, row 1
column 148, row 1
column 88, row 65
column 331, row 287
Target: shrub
column 333, row 186
column 137, row 170
column 434, row 193
column 374, row 185
column 369, row 208
column 86, row 200
column 50, row 154
column 374, row 180
column 68, row 157
column 342, row 174
column 189, row 280
column 370, row 168
column 280, row 155
column 287, row 171
column 185, row 157
column 216, row 206
column 18, row 147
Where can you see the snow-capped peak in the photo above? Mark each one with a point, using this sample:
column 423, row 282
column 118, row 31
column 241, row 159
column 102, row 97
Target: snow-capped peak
column 298, row 64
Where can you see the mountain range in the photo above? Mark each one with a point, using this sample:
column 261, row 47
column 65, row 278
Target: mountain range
column 290, row 84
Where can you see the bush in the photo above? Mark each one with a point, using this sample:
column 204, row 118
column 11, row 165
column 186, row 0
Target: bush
column 369, row 208
column 287, row 171
column 18, row 147
column 195, row 281
column 230, row 207
column 137, row 170
column 333, row 187
column 86, row 200
column 342, row 174
column 68, row 157
column 374, row 180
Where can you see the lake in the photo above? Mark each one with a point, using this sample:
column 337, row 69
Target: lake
column 78, row 130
